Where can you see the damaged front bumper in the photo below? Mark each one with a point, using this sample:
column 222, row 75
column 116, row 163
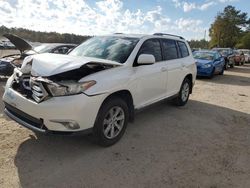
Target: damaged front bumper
column 36, row 125
column 66, row 114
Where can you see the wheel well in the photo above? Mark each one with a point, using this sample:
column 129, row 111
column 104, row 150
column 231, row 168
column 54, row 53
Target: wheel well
column 190, row 77
column 127, row 97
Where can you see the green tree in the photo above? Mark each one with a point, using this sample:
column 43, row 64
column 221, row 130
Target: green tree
column 228, row 27
column 44, row 37
column 198, row 44
column 244, row 41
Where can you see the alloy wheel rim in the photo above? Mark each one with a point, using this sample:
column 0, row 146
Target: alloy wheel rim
column 113, row 122
column 185, row 92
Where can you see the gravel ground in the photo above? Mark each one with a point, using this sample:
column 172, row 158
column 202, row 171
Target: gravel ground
column 204, row 144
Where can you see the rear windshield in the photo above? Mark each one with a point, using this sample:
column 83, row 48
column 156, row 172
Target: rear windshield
column 110, row 47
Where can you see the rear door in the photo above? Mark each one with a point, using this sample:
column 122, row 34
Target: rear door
column 174, row 66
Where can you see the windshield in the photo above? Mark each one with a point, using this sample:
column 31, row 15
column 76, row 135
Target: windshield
column 223, row 52
column 236, row 52
column 246, row 52
column 111, row 48
column 204, row 55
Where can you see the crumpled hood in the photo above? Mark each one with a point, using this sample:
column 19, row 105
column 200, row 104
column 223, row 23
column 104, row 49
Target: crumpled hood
column 19, row 43
column 50, row 64
column 202, row 61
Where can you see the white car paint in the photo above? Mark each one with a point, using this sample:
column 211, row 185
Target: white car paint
column 48, row 64
column 147, row 84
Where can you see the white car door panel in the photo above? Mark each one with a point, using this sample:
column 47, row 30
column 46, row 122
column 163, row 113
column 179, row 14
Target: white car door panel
column 151, row 79
column 173, row 76
column 151, row 83
column 174, row 66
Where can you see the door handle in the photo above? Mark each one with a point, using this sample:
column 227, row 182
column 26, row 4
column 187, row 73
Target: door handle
column 163, row 69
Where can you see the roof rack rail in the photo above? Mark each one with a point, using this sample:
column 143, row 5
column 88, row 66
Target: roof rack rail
column 118, row 33
column 162, row 34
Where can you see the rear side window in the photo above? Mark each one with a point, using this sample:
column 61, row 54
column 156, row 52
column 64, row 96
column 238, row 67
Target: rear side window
column 169, row 49
column 183, row 49
column 153, row 47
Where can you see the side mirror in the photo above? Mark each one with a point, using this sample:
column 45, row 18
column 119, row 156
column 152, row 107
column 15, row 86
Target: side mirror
column 146, row 59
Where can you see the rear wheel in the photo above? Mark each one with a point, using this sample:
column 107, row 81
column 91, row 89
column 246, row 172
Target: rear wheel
column 111, row 121
column 184, row 93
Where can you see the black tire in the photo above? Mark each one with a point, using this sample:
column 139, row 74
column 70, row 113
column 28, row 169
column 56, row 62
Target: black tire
column 221, row 72
column 179, row 101
column 232, row 64
column 226, row 65
column 212, row 74
column 99, row 126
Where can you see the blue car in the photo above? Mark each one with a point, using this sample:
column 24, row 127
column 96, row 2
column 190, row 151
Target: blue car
column 209, row 63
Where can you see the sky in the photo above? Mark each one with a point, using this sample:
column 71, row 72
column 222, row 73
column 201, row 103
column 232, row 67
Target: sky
column 188, row 18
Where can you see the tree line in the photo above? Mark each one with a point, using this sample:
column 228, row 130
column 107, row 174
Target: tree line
column 231, row 28
column 44, row 37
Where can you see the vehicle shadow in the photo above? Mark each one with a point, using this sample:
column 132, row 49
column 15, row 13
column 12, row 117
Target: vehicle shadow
column 228, row 79
column 164, row 145
column 241, row 69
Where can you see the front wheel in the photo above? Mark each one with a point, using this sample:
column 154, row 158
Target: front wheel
column 221, row 72
column 212, row 74
column 111, row 121
column 184, row 93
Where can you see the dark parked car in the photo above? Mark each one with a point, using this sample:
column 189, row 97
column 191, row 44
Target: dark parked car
column 228, row 55
column 209, row 63
column 7, row 63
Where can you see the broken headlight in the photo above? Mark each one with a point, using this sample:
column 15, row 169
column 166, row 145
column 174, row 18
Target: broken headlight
column 69, row 88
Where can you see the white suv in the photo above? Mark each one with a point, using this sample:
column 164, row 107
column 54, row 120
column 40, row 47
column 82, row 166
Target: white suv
column 98, row 86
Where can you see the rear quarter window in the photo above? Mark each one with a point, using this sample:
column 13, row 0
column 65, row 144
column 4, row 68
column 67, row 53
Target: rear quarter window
column 183, row 49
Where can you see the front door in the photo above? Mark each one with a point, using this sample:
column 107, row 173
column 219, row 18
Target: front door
column 151, row 79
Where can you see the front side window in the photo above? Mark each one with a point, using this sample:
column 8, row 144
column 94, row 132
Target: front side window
column 183, row 49
column 153, row 47
column 109, row 47
column 169, row 49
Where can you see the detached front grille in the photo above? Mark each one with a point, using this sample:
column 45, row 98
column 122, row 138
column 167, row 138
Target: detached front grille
column 30, row 88
column 39, row 93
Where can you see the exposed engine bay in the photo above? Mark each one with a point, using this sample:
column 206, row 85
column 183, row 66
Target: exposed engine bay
column 83, row 71
column 41, row 88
